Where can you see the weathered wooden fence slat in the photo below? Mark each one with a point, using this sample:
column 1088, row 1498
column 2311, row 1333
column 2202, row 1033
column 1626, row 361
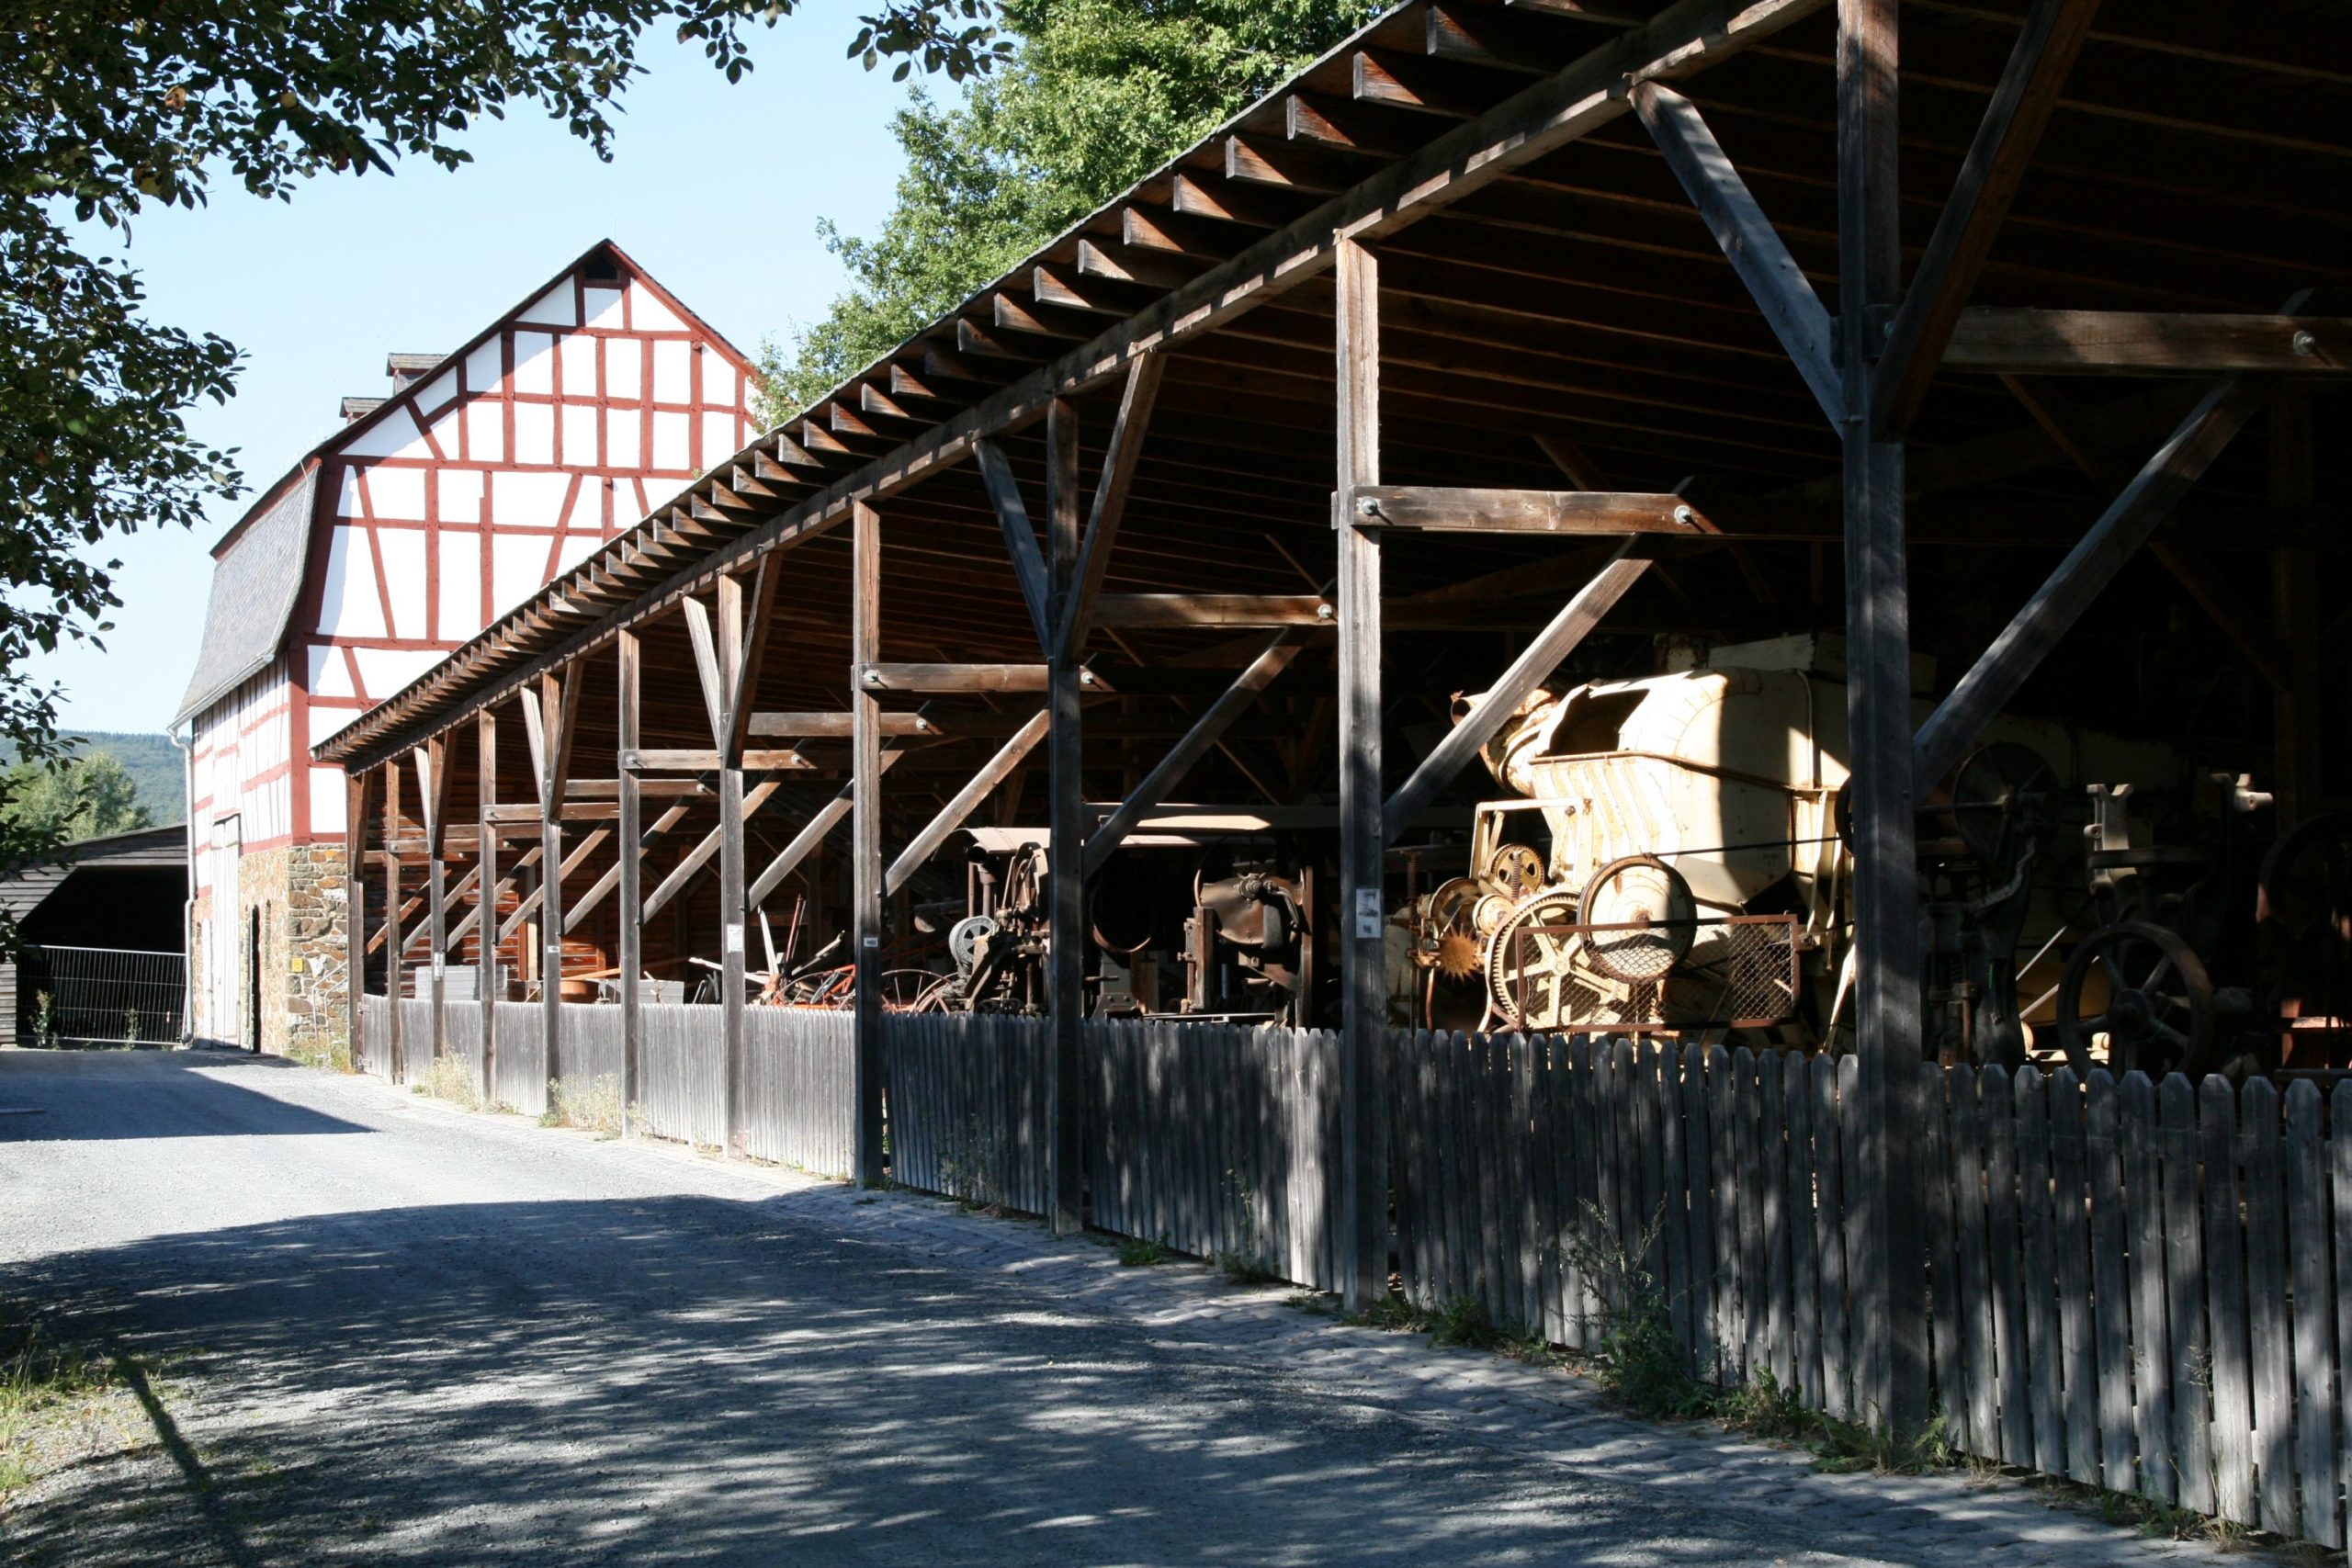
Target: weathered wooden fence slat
column 2225, row 1303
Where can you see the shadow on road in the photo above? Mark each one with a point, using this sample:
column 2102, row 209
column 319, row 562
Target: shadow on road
column 689, row 1380
column 76, row 1095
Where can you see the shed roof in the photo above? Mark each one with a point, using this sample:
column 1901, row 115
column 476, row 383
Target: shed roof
column 26, row 886
column 1549, row 296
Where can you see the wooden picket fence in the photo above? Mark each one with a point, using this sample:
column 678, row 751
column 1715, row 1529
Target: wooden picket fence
column 1217, row 1141
column 966, row 1100
column 682, row 1073
column 416, row 1039
column 2144, row 1287
column 461, row 1037
column 520, row 1064
column 373, row 1050
column 801, row 1108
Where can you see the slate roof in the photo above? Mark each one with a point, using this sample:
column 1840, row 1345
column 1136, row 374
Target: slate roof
column 256, row 576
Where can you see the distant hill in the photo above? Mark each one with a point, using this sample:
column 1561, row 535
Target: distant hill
column 153, row 762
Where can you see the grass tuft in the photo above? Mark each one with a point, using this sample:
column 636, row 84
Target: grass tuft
column 1137, row 1254
column 39, row 1376
column 591, row 1103
column 451, row 1079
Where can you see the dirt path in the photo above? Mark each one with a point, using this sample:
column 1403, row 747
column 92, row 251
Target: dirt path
column 387, row 1332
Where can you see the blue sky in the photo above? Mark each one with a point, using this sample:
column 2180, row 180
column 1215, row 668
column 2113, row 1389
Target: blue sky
column 716, row 189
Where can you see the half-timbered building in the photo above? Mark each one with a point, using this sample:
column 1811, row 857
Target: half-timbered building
column 427, row 514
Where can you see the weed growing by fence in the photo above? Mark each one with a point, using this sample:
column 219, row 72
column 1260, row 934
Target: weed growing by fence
column 1636, row 1357
column 45, row 1019
column 334, row 1055
column 592, row 1103
column 1136, row 1254
column 451, row 1079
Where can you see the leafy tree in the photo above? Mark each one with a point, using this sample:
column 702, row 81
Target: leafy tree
column 81, row 797
column 1096, row 95
column 106, row 105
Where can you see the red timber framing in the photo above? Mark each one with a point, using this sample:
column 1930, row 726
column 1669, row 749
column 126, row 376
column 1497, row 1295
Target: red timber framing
column 1502, row 343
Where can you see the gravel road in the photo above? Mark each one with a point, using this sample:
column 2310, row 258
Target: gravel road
column 384, row 1331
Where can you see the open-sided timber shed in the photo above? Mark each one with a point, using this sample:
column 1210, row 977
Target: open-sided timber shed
column 1505, row 337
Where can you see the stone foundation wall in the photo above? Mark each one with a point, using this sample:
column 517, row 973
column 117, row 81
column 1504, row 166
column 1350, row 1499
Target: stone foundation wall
column 302, row 896
column 317, row 901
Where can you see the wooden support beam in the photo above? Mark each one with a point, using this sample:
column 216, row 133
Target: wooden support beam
column 1123, row 612
column 433, row 791
column 603, row 888
column 1066, row 1096
column 820, row 823
column 966, row 801
column 836, row 726
column 1364, row 1047
column 1155, row 786
column 699, row 856
column 354, row 913
column 2147, row 343
column 1887, row 1248
column 628, row 698
column 472, row 918
column 869, row 1063
column 534, row 737
column 557, row 921
column 1753, row 246
column 2195, row 574
column 733, row 960
column 433, row 801
column 1997, row 159
column 517, row 814
column 1020, row 537
column 2122, row 528
column 393, row 945
column 1436, row 509
column 940, row 678
column 561, row 703
column 1119, row 460
column 691, row 760
column 704, row 640
column 750, row 655
column 489, row 981
column 1494, row 707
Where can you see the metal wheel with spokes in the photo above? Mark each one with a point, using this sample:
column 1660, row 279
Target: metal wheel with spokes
column 2156, row 1015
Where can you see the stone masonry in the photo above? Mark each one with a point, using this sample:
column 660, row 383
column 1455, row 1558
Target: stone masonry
column 302, row 898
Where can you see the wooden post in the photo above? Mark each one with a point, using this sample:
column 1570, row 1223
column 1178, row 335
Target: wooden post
column 1065, row 847
column 1363, row 1042
column 732, row 955
column 1889, row 1273
column 865, row 836
column 354, row 905
column 551, row 718
column 632, row 928
column 433, row 792
column 489, row 984
column 394, row 944
column 2294, row 612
